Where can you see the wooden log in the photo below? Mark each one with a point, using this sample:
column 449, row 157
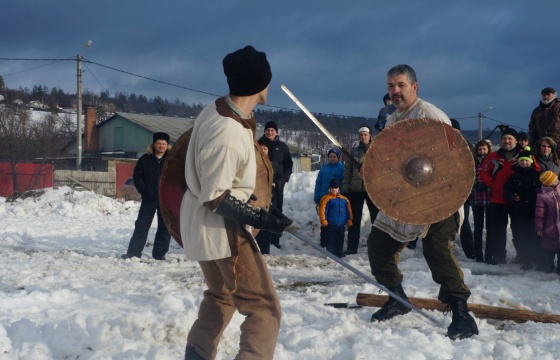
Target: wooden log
column 515, row 306
column 479, row 310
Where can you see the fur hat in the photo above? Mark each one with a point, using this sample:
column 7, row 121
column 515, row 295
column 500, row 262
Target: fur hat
column 161, row 136
column 510, row 131
column 525, row 154
column 271, row 125
column 548, row 90
column 334, row 151
column 548, row 177
column 247, row 71
column 334, row 183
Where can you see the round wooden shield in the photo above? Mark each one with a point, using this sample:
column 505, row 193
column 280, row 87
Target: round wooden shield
column 172, row 184
column 419, row 171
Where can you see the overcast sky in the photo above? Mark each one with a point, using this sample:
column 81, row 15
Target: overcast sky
column 333, row 55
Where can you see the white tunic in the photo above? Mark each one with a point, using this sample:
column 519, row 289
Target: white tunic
column 220, row 157
column 400, row 231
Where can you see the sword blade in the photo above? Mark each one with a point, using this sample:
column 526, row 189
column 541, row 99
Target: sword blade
column 298, row 234
column 321, row 127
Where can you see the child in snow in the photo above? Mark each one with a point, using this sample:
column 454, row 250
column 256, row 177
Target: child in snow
column 547, row 222
column 334, row 212
column 331, row 170
column 521, row 190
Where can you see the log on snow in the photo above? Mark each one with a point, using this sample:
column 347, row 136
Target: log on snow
column 479, row 310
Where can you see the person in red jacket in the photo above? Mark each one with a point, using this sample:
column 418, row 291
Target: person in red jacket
column 496, row 171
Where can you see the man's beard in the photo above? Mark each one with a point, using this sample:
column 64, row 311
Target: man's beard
column 400, row 103
column 546, row 102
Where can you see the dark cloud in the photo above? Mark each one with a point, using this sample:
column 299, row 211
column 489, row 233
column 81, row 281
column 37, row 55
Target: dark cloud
column 469, row 55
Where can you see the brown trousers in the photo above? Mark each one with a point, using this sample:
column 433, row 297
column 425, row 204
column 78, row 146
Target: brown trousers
column 243, row 284
column 383, row 253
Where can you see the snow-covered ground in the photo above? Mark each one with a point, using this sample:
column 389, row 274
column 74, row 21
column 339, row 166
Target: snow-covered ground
column 65, row 294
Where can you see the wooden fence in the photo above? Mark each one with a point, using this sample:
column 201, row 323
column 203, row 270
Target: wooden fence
column 100, row 182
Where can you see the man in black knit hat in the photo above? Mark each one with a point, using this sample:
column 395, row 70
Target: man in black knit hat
column 147, row 173
column 221, row 168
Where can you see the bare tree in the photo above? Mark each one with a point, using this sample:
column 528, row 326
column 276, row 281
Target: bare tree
column 15, row 136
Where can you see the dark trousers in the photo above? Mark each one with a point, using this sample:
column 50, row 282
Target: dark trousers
column 525, row 239
column 497, row 233
column 466, row 234
column 383, row 254
column 357, row 204
column 480, row 217
column 263, row 240
column 148, row 209
column 544, row 259
column 278, row 202
column 334, row 239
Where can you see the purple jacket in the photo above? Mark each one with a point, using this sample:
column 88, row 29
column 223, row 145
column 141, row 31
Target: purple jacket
column 547, row 218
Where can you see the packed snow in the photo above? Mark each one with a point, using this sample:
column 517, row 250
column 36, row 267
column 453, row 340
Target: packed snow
column 65, row 294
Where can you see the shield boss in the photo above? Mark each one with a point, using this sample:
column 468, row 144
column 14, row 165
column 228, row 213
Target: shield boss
column 419, row 171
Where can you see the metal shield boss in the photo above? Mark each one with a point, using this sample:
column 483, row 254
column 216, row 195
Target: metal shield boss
column 419, row 171
column 172, row 184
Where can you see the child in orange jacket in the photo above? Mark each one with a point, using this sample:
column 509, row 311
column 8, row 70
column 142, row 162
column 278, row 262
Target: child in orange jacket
column 335, row 213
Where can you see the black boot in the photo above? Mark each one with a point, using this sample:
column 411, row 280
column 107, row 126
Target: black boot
column 392, row 307
column 191, row 354
column 462, row 324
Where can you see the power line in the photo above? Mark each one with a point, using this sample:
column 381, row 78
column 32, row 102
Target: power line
column 501, row 122
column 188, row 88
column 95, row 77
column 55, row 61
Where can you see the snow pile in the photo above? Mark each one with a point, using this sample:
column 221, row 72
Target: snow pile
column 65, row 294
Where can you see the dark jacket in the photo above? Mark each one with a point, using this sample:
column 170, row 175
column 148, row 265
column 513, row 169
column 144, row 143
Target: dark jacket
column 545, row 121
column 147, row 173
column 278, row 177
column 383, row 115
column 525, row 183
column 547, row 164
column 352, row 181
column 278, row 152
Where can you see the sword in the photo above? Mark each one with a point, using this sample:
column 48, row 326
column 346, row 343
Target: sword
column 323, row 129
column 298, row 234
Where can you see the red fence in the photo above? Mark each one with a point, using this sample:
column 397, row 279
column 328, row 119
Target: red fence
column 29, row 177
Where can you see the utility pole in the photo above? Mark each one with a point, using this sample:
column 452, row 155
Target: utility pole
column 480, row 116
column 79, row 112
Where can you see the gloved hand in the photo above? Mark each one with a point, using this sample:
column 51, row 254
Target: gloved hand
column 273, row 221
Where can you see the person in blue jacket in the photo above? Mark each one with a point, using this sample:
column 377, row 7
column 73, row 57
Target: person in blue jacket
column 333, row 169
column 335, row 213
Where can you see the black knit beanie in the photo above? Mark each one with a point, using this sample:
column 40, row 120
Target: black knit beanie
column 271, row 124
column 247, row 71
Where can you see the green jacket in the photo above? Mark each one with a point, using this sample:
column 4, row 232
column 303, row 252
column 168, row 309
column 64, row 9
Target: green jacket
column 353, row 182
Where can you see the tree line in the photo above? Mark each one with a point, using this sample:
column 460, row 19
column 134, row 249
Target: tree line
column 294, row 125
